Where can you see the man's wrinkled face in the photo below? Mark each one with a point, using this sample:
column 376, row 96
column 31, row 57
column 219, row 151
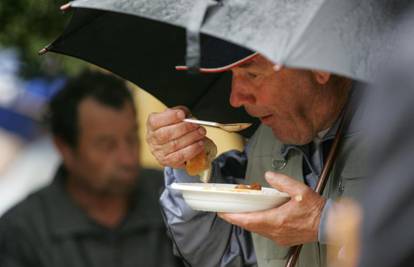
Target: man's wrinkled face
column 106, row 157
column 279, row 98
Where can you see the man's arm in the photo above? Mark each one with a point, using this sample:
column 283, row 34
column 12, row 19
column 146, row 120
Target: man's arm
column 202, row 238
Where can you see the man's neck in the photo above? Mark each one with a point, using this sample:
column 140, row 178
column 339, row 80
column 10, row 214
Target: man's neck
column 334, row 102
column 106, row 209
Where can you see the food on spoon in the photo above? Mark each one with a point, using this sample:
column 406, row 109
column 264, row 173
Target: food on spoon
column 253, row 186
column 201, row 164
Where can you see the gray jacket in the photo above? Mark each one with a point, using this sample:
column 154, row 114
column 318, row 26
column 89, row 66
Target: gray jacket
column 345, row 180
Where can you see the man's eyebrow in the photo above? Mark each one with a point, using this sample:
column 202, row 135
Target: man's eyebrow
column 246, row 65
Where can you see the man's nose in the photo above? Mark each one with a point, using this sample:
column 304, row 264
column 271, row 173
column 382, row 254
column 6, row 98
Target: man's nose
column 127, row 155
column 240, row 93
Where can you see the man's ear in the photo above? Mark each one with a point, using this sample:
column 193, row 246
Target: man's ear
column 65, row 150
column 321, row 77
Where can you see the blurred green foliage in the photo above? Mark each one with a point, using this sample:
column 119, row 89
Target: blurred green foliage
column 28, row 26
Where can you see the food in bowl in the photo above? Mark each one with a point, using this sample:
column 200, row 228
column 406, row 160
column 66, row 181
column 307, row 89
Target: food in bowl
column 252, row 186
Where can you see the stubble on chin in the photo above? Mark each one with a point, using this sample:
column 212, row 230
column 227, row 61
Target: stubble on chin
column 292, row 137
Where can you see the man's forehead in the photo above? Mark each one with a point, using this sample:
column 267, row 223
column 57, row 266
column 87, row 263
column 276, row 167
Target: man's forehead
column 92, row 111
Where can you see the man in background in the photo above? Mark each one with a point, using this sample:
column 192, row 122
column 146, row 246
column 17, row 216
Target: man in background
column 102, row 208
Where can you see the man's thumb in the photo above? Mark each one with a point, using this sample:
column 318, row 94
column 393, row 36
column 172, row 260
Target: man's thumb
column 284, row 183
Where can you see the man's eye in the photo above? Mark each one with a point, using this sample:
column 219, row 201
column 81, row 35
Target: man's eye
column 251, row 75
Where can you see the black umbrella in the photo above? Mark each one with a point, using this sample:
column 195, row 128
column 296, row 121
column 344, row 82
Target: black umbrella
column 145, row 52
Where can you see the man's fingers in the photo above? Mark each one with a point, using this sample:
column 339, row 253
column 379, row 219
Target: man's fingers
column 167, row 134
column 172, row 141
column 162, row 119
column 286, row 184
column 239, row 219
column 184, row 141
column 185, row 109
column 179, row 157
column 249, row 220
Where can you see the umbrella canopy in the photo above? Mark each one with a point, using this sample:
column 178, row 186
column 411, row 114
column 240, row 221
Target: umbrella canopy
column 387, row 202
column 145, row 52
column 142, row 41
column 348, row 38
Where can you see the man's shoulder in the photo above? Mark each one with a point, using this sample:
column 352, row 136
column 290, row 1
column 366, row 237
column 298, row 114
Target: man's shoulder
column 30, row 209
column 24, row 228
column 151, row 179
column 150, row 184
column 150, row 172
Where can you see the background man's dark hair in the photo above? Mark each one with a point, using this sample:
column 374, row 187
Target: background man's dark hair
column 105, row 88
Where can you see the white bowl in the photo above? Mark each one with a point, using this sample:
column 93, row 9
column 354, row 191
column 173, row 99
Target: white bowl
column 225, row 198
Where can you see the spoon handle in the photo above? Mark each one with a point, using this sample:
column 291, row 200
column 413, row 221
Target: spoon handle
column 208, row 123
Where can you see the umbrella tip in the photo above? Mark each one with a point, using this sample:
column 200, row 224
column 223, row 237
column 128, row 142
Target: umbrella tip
column 43, row 51
column 65, row 7
column 277, row 67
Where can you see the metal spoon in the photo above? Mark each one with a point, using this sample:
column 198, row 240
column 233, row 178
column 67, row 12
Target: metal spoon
column 228, row 127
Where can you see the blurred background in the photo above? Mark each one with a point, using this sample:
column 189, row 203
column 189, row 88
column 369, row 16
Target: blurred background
column 27, row 81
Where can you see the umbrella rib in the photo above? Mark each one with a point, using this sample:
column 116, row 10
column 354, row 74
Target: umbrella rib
column 78, row 28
